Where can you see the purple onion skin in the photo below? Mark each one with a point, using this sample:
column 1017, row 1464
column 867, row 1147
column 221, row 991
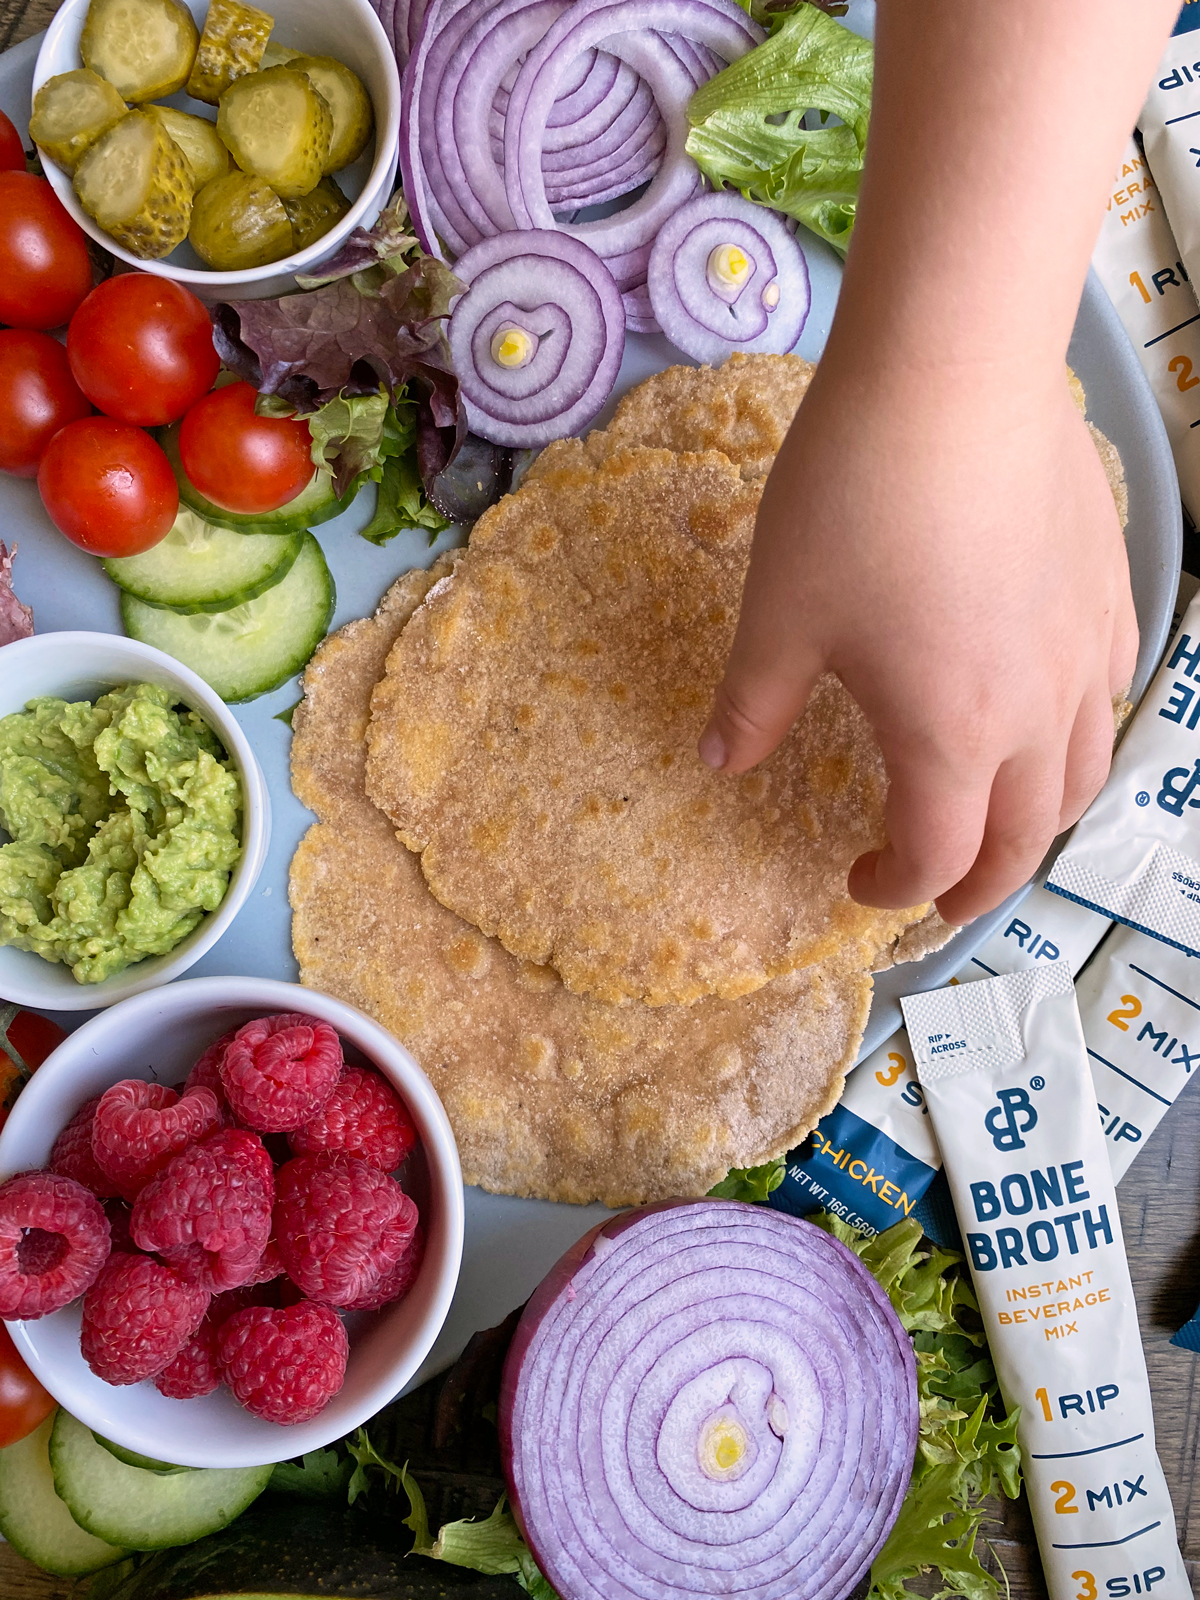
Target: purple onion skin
column 557, row 1281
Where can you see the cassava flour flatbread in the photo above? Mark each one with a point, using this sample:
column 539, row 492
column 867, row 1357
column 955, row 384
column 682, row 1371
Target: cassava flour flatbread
column 535, row 738
column 550, row 1095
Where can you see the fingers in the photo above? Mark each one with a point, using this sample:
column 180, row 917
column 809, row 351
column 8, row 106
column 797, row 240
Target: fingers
column 935, row 822
column 1089, row 756
column 768, row 679
column 1022, row 820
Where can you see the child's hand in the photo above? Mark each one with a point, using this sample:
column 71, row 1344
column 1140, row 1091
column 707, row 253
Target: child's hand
column 947, row 543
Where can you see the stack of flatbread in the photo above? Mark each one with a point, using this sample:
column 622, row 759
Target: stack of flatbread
column 624, row 973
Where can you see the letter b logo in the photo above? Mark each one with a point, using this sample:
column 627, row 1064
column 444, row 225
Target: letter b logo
column 1010, row 1119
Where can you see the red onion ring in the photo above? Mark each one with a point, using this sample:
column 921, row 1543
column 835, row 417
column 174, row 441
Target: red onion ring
column 561, row 304
column 708, row 315
column 706, row 1398
column 639, row 313
column 621, row 28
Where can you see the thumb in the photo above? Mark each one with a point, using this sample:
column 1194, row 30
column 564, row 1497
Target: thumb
column 768, row 679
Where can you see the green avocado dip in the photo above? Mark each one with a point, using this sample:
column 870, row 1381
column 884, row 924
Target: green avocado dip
column 125, row 823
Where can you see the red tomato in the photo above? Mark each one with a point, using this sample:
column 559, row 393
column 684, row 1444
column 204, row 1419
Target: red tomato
column 12, row 153
column 38, row 396
column 44, row 267
column 108, row 487
column 242, row 462
column 23, row 1401
column 28, row 1036
column 141, row 349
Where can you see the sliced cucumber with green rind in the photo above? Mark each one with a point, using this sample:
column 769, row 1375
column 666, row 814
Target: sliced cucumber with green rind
column 316, row 502
column 200, row 567
column 36, row 1522
column 144, row 1510
column 132, row 1459
column 254, row 647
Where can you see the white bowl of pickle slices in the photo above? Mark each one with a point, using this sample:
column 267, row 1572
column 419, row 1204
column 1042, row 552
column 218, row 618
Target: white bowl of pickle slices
column 217, row 143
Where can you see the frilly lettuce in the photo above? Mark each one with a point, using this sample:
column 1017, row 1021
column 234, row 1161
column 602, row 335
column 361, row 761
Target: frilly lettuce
column 748, row 123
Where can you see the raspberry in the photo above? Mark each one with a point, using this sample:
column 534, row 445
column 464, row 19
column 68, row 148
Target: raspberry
column 279, row 1071
column 196, row 1370
column 341, row 1225
column 395, row 1284
column 54, row 1240
column 284, row 1366
column 137, row 1317
column 72, row 1153
column 209, row 1210
column 118, row 1214
column 139, row 1126
column 364, row 1117
column 206, row 1074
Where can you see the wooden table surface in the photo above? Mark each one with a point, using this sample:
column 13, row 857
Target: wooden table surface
column 1160, row 1212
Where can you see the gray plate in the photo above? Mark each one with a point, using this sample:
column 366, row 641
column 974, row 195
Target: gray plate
column 510, row 1244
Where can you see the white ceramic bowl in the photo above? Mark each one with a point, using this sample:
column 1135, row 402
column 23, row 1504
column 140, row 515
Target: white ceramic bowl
column 160, row 1035
column 350, row 31
column 81, row 666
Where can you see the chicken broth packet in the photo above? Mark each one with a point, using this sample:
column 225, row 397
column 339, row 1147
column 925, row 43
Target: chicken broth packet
column 874, row 1156
column 1139, row 1002
column 1005, row 1074
column 1142, row 270
column 1135, row 855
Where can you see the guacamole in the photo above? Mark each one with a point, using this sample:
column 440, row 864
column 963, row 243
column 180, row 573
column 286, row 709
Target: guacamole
column 125, row 823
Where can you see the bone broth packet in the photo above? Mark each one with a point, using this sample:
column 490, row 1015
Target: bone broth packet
column 1139, row 1001
column 1135, row 855
column 1005, row 1074
column 873, row 1157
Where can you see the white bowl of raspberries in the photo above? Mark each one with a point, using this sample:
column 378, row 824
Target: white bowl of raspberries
column 231, row 1221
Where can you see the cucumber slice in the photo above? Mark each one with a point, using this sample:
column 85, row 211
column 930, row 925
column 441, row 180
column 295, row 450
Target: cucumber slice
column 316, row 502
column 146, row 1510
column 201, row 568
column 132, row 1459
column 254, row 647
column 36, row 1522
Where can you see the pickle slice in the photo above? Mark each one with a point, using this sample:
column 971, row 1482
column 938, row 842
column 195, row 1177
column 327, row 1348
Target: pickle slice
column 316, row 212
column 197, row 138
column 277, row 126
column 277, row 55
column 349, row 104
column 231, row 45
column 136, row 183
column 70, row 113
column 239, row 222
column 144, row 48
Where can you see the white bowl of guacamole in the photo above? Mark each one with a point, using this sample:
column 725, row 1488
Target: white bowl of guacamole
column 134, row 819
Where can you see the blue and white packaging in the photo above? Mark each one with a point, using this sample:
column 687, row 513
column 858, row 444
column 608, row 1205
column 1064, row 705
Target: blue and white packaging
column 1005, row 1073
column 873, row 1157
column 1135, row 856
column 1139, row 1002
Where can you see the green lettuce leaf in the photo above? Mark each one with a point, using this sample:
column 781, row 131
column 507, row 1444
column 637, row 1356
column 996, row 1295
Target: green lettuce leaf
column 748, row 127
column 318, row 1475
column 494, row 1546
column 752, row 1184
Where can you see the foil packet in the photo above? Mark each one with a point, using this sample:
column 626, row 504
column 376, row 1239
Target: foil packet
column 1004, row 1070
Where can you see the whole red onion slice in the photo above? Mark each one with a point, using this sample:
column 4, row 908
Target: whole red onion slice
column 537, row 338
column 622, row 28
column 725, row 275
column 706, row 1398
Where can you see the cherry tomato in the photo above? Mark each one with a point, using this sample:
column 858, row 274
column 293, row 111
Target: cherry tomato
column 141, row 349
column 27, row 1036
column 38, row 396
column 12, row 153
column 108, row 487
column 44, row 267
column 23, row 1402
column 242, row 462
